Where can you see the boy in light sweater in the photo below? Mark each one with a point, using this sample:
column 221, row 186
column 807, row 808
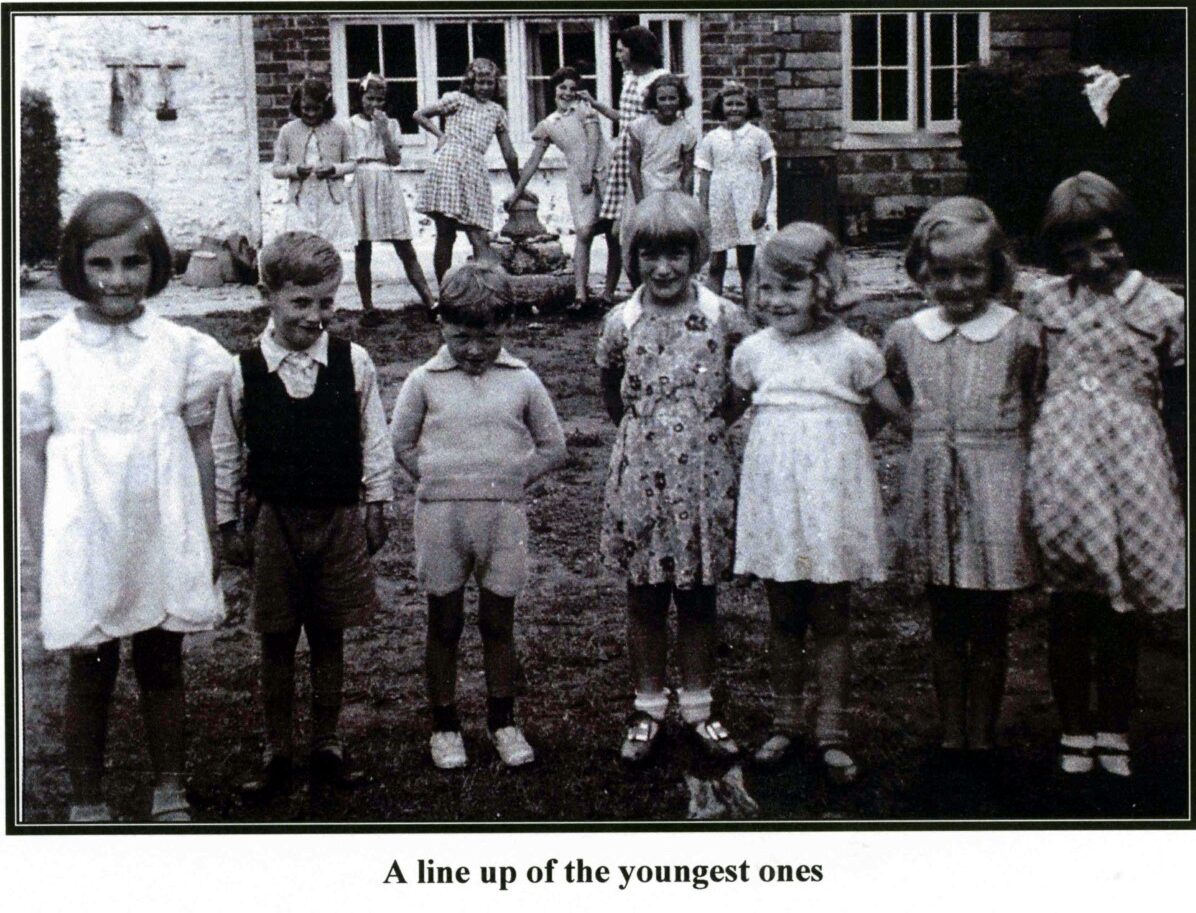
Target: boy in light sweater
column 474, row 426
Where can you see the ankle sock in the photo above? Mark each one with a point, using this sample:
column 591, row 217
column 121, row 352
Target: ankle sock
column 695, row 705
column 500, row 712
column 655, row 705
column 444, row 719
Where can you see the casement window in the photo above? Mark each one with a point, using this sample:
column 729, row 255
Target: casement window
column 901, row 70
column 423, row 57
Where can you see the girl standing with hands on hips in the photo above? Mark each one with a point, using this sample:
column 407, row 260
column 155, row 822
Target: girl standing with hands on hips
column 311, row 154
column 810, row 518
column 376, row 197
column 117, row 491
column 1103, row 489
column 670, row 491
column 966, row 367
column 456, row 191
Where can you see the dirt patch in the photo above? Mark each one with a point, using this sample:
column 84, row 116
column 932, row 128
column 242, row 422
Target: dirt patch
column 574, row 690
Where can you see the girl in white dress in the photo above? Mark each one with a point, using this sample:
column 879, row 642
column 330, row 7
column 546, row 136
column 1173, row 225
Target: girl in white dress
column 117, row 491
column 810, row 519
column 375, row 197
column 735, row 181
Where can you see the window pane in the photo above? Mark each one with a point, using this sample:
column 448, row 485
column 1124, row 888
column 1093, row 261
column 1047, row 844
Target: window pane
column 968, row 25
column 894, row 101
column 447, row 85
column 863, row 40
column 894, row 39
column 865, row 105
column 542, row 56
column 677, row 45
column 942, row 94
column 942, row 51
column 579, row 47
column 354, row 96
column 490, row 40
column 361, row 50
column 540, row 100
column 401, row 104
column 452, row 49
column 398, row 50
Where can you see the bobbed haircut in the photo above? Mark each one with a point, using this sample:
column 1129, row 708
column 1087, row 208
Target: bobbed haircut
column 807, row 249
column 316, row 90
column 1083, row 204
column 667, row 219
column 668, row 79
column 644, row 48
column 476, row 294
column 957, row 215
column 107, row 214
column 476, row 66
column 298, row 257
column 562, row 74
column 735, row 88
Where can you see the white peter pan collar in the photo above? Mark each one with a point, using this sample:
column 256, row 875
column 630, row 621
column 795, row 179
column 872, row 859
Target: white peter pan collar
column 934, row 326
column 708, row 303
column 96, row 334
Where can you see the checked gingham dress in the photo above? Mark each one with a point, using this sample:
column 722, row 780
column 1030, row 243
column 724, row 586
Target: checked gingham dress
column 458, row 185
column 1102, row 485
column 618, row 180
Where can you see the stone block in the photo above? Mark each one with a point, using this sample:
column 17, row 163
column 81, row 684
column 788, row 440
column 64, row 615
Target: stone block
column 811, row 60
column 816, row 22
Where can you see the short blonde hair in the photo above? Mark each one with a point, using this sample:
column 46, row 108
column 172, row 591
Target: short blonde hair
column 666, row 219
column 957, row 214
column 808, row 249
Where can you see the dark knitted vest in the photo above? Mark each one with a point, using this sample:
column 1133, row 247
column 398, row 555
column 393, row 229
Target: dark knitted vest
column 303, row 452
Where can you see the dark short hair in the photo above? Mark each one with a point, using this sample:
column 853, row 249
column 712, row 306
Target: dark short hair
column 954, row 214
column 735, row 88
column 107, row 214
column 668, row 79
column 644, row 48
column 663, row 220
column 317, row 90
column 298, row 257
column 1083, row 204
column 562, row 74
column 477, row 65
column 476, row 294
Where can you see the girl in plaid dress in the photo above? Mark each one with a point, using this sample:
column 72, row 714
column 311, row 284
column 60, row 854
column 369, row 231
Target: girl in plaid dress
column 456, row 191
column 1104, row 493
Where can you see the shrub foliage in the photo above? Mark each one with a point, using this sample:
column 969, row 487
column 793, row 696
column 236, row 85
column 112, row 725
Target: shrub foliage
column 41, row 217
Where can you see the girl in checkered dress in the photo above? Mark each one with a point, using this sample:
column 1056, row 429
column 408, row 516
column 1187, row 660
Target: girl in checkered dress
column 456, row 191
column 1104, row 493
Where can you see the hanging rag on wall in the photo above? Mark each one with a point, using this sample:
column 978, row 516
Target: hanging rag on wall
column 116, row 106
column 166, row 110
column 1100, row 89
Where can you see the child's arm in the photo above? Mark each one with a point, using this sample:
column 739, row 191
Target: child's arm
column 377, row 458
column 228, row 458
column 205, row 463
column 347, row 164
column 687, row 170
column 424, row 116
column 737, row 402
column 508, row 153
column 283, row 169
column 529, row 170
column 546, row 431
column 612, row 394
column 704, row 189
column 390, row 146
column 760, row 216
column 406, row 423
column 635, row 154
column 33, row 487
column 605, row 110
column 593, row 148
column 885, row 397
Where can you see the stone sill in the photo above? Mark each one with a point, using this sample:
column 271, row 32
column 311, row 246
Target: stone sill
column 870, row 142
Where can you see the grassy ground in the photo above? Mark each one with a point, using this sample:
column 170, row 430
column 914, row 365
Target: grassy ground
column 574, row 687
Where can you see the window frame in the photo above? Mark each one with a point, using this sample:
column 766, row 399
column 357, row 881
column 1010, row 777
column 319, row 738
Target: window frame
column 691, row 44
column 950, row 125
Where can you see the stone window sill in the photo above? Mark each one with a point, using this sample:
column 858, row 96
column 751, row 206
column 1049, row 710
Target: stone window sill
column 866, row 142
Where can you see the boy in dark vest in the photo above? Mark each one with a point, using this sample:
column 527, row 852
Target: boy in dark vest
column 301, row 443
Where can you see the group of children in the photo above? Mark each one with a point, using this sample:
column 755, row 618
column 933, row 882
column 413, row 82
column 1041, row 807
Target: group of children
column 1037, row 451
column 654, row 152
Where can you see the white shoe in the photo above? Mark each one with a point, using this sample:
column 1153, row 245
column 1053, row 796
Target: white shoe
column 1113, row 753
column 512, row 747
column 448, row 750
column 1075, row 754
column 91, row 814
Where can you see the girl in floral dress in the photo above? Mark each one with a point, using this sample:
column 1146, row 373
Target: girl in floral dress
column 1102, row 486
column 456, row 191
column 670, row 492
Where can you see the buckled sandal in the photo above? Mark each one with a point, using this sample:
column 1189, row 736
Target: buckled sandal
column 715, row 740
column 642, row 732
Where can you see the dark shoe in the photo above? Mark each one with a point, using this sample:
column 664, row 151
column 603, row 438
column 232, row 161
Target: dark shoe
column 640, row 739
column 330, row 768
column 372, row 317
column 714, row 739
column 274, row 780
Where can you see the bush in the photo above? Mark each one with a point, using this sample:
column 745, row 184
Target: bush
column 41, row 217
column 1025, row 128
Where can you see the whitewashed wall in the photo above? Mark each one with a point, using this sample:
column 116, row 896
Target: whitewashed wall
column 199, row 172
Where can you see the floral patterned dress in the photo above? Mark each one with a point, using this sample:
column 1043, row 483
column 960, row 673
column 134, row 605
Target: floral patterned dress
column 669, row 506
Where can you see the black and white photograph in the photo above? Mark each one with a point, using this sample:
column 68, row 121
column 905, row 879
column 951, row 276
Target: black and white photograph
column 550, row 417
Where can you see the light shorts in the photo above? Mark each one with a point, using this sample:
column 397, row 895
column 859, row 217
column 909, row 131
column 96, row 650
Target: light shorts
column 455, row 540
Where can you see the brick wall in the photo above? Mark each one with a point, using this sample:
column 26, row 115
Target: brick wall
column 809, row 82
column 1028, row 35
column 740, row 46
column 286, row 50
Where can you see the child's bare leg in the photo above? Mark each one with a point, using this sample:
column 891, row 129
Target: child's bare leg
column 718, row 268
column 614, row 262
column 158, row 664
column 745, row 257
column 830, row 623
column 362, row 254
column 949, row 651
column 986, row 667
column 496, row 622
column 786, row 653
column 581, row 262
column 446, row 621
column 415, row 273
column 278, row 690
column 442, row 254
column 90, row 684
column 647, row 644
column 326, row 648
column 696, row 635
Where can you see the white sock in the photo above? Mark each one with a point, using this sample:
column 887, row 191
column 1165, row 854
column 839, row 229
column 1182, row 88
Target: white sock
column 655, row 705
column 695, row 705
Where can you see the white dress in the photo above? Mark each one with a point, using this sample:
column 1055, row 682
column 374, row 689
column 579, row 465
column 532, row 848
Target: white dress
column 733, row 159
column 809, row 501
column 126, row 545
column 375, row 196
